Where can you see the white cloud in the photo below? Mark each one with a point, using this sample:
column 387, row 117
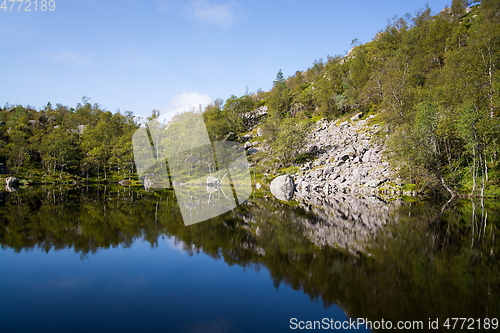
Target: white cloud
column 176, row 244
column 220, row 14
column 184, row 102
column 188, row 99
column 70, row 57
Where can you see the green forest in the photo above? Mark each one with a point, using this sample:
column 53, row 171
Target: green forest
column 433, row 78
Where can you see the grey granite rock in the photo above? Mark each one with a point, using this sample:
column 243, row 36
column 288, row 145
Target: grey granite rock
column 282, row 187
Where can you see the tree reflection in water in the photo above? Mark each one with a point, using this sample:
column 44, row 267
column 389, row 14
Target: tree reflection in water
column 432, row 263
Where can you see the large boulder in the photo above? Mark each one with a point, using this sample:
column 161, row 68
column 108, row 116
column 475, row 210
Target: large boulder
column 316, row 173
column 12, row 181
column 252, row 151
column 12, row 184
column 367, row 157
column 149, row 181
column 125, row 182
column 357, row 116
column 282, row 187
column 328, row 170
column 212, row 181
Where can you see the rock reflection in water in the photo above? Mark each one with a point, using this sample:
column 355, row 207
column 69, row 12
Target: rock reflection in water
column 199, row 203
column 347, row 221
column 433, row 263
column 342, row 220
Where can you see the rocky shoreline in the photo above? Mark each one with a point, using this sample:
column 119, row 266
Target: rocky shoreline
column 349, row 186
column 349, row 160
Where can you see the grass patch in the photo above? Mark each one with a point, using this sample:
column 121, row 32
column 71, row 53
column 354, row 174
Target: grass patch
column 409, row 198
column 491, row 188
column 290, row 170
column 37, row 176
column 409, row 187
column 257, row 139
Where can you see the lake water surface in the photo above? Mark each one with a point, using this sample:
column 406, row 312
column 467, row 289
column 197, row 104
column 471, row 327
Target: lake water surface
column 109, row 258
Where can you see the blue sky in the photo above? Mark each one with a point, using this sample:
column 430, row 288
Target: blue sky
column 164, row 54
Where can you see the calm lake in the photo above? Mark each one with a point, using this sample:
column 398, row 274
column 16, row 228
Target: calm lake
column 119, row 259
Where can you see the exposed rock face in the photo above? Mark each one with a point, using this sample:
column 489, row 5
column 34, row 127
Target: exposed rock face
column 34, row 122
column 346, row 186
column 282, row 187
column 348, row 161
column 254, row 147
column 251, row 119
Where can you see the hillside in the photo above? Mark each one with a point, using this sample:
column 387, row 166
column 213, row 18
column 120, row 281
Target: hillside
column 432, row 79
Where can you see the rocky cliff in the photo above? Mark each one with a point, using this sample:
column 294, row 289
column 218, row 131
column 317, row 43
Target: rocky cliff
column 349, row 186
column 349, row 160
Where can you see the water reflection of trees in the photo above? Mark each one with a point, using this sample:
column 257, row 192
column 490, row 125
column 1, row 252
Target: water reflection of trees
column 432, row 263
column 86, row 219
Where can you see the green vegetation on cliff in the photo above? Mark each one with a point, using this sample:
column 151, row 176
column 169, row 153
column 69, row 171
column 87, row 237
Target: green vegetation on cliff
column 434, row 79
